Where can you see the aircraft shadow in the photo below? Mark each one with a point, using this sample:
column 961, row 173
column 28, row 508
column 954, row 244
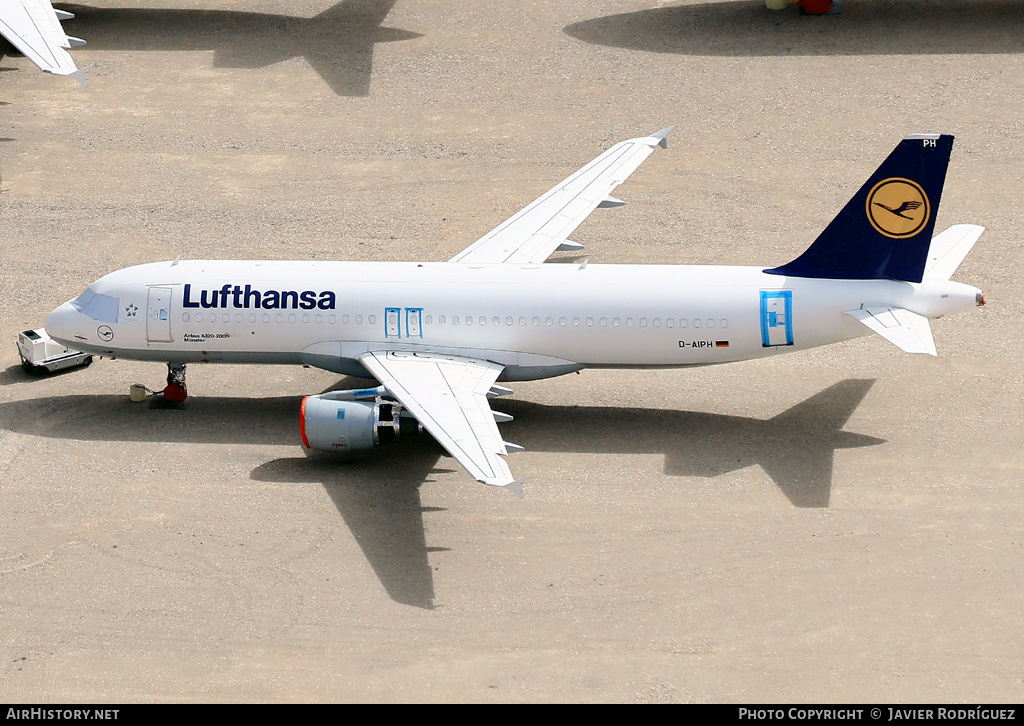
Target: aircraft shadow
column 378, row 494
column 378, row 497
column 338, row 43
column 794, row 448
column 865, row 27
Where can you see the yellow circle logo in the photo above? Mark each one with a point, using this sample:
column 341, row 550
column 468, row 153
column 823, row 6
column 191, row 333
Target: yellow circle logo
column 898, row 208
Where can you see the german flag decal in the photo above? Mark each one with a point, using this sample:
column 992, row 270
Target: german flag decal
column 721, row 343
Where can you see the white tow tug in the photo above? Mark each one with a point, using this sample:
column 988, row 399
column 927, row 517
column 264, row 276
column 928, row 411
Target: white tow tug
column 42, row 354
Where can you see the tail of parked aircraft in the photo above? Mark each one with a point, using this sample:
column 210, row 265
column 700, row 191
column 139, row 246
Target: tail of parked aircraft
column 885, row 231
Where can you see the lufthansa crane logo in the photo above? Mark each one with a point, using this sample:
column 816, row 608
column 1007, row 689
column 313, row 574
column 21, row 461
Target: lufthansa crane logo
column 898, row 208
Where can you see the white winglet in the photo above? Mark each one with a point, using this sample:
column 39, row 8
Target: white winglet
column 80, row 75
column 515, row 487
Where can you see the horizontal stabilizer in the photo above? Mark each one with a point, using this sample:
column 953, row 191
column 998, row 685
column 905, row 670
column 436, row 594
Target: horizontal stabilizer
column 908, row 331
column 949, row 249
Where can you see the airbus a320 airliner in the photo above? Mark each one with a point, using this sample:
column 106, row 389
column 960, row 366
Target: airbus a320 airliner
column 438, row 336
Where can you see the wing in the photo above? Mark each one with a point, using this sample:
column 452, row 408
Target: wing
column 33, row 27
column 536, row 231
column 448, row 395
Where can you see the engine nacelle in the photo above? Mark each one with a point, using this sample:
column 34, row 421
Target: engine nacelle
column 328, row 424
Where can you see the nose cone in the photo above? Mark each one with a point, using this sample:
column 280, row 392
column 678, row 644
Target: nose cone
column 59, row 324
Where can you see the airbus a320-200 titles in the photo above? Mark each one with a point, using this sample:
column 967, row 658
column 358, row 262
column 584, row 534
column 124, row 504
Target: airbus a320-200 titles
column 439, row 336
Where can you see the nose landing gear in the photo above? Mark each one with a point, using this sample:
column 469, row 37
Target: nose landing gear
column 176, row 390
column 175, row 393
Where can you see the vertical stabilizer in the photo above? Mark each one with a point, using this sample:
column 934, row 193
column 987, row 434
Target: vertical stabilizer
column 884, row 232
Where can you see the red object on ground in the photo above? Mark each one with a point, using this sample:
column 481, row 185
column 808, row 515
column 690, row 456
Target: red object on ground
column 175, row 393
column 816, row 7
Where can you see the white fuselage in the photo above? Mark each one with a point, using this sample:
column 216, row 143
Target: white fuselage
column 536, row 320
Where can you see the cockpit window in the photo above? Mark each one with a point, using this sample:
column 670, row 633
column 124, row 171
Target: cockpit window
column 98, row 307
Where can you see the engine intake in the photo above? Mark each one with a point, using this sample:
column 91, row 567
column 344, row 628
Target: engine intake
column 328, row 424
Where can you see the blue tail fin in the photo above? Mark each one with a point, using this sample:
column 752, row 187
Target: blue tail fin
column 885, row 230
